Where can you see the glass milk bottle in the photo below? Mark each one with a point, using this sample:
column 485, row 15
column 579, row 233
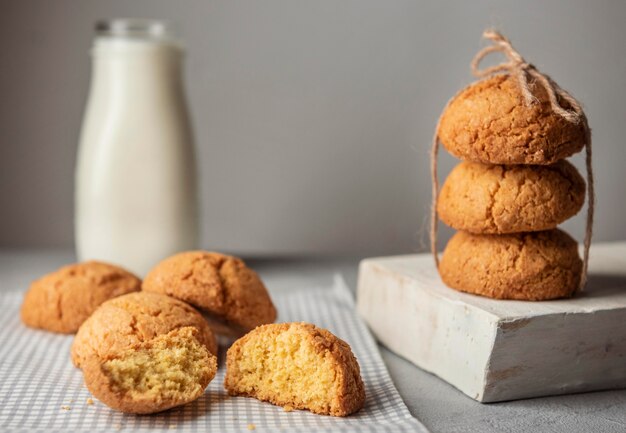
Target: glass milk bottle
column 135, row 185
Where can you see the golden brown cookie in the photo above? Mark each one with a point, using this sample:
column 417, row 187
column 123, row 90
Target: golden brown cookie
column 495, row 199
column 298, row 366
column 489, row 122
column 525, row 266
column 62, row 300
column 167, row 371
column 231, row 295
column 134, row 318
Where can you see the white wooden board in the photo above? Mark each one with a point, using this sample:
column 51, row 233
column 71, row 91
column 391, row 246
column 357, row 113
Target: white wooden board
column 501, row 350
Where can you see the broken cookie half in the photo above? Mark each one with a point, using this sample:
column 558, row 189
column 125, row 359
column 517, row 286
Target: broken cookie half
column 167, row 371
column 297, row 366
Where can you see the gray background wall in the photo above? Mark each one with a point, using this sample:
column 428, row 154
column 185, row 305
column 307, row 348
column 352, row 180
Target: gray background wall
column 313, row 118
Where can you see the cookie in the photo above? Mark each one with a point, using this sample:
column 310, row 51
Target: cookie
column 134, row 318
column 158, row 374
column 525, row 266
column 496, row 199
column 231, row 295
column 62, row 300
column 298, row 366
column 489, row 122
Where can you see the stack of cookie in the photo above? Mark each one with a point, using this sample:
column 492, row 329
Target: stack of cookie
column 509, row 194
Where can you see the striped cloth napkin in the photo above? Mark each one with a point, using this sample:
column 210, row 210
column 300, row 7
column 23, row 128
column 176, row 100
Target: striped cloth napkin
column 41, row 391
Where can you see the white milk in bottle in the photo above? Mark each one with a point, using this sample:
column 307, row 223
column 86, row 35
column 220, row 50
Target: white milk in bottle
column 135, row 180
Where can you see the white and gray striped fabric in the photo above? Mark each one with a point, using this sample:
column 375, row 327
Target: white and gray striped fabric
column 41, row 391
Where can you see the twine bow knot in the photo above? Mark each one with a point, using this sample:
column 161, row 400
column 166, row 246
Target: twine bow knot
column 519, row 68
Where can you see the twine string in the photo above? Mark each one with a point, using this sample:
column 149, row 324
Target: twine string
column 561, row 103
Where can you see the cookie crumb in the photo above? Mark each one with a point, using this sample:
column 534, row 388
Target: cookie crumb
column 172, row 427
column 118, row 427
column 288, row 408
column 65, row 407
column 90, row 401
column 251, row 427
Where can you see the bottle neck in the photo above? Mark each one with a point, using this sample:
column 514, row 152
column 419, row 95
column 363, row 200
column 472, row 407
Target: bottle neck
column 135, row 55
column 136, row 65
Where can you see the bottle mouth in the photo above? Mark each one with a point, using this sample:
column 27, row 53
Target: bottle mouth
column 136, row 28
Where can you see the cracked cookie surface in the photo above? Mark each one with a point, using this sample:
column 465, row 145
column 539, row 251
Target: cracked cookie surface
column 62, row 300
column 496, row 199
column 489, row 122
column 525, row 266
column 134, row 318
column 228, row 292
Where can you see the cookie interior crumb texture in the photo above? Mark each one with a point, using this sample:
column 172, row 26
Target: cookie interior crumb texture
column 171, row 370
column 161, row 371
column 298, row 366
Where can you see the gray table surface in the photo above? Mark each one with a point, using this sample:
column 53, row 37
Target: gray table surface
column 438, row 405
